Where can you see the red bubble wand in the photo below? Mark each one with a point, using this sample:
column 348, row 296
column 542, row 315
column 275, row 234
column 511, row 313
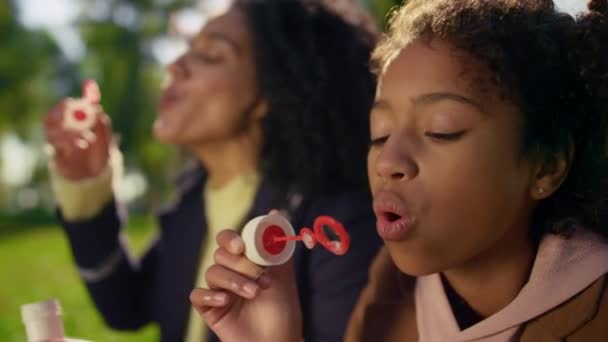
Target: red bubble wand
column 270, row 240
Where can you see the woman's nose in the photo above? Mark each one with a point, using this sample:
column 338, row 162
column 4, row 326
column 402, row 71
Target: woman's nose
column 177, row 69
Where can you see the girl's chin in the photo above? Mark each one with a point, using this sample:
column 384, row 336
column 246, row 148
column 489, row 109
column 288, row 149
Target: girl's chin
column 411, row 265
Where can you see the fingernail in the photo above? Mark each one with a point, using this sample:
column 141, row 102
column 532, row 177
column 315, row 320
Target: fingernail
column 235, row 245
column 219, row 297
column 250, row 289
column 264, row 281
column 82, row 144
column 89, row 136
column 216, row 298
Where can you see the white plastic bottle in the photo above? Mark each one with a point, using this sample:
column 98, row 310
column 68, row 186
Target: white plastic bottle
column 43, row 322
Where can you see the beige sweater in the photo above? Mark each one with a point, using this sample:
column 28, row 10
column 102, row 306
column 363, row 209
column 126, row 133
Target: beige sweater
column 224, row 208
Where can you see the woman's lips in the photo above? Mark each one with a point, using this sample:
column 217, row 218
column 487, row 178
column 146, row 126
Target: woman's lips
column 393, row 220
column 168, row 99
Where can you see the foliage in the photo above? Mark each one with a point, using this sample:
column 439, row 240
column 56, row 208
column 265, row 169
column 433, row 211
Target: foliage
column 117, row 36
column 381, row 8
column 30, row 58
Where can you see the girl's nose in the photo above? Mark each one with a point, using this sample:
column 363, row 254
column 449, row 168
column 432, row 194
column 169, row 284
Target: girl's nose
column 394, row 163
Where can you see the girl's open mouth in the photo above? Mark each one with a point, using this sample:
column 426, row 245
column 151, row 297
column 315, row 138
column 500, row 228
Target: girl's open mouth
column 392, row 220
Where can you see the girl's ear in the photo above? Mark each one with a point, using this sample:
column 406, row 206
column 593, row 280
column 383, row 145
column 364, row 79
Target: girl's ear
column 261, row 109
column 550, row 173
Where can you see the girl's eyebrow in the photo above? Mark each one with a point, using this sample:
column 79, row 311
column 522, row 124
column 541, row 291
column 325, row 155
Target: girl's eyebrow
column 430, row 98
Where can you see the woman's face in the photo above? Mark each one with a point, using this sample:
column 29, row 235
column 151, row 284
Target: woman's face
column 213, row 94
column 449, row 181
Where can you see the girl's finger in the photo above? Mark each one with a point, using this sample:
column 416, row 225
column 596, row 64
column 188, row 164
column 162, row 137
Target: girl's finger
column 221, row 278
column 240, row 265
column 231, row 241
column 211, row 305
column 204, row 298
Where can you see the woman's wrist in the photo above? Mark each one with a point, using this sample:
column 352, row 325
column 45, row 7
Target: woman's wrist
column 80, row 200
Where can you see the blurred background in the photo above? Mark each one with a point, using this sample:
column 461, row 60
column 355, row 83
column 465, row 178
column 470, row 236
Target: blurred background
column 46, row 49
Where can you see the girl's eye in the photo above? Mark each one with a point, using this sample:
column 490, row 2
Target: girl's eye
column 378, row 141
column 445, row 136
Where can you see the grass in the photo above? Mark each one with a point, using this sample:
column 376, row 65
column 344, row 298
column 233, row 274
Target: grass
column 36, row 264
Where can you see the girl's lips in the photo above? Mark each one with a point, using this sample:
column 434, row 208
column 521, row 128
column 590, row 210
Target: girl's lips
column 393, row 221
column 393, row 230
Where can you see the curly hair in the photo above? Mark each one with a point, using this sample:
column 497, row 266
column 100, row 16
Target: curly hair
column 553, row 66
column 313, row 69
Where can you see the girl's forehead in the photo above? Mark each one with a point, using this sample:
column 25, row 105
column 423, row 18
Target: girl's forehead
column 438, row 67
column 423, row 64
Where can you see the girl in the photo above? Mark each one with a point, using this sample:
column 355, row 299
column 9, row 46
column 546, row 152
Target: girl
column 267, row 106
column 488, row 169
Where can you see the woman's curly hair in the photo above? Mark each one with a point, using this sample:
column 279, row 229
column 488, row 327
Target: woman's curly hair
column 313, row 69
column 553, row 66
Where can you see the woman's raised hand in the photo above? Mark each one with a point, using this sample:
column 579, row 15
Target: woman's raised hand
column 78, row 154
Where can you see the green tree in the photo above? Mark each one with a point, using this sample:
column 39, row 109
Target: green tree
column 30, row 68
column 118, row 56
column 117, row 35
column 30, row 60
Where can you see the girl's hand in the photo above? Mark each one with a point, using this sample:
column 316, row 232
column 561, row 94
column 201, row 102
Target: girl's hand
column 246, row 302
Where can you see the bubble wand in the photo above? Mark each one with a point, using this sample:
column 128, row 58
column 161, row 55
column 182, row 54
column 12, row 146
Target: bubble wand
column 270, row 239
column 81, row 113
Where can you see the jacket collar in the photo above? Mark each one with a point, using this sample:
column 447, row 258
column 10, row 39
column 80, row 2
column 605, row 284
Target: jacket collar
column 568, row 317
column 553, row 325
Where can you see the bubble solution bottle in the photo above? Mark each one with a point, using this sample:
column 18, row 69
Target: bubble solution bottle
column 43, row 322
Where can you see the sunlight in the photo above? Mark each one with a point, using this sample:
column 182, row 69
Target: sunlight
column 58, row 19
column 572, row 7
column 18, row 161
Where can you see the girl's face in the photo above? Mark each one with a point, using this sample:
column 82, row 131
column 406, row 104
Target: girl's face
column 449, row 181
column 214, row 86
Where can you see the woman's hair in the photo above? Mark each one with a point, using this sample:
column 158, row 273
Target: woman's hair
column 313, row 70
column 553, row 66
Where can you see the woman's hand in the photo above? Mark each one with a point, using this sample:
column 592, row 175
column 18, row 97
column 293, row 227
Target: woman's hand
column 246, row 302
column 78, row 155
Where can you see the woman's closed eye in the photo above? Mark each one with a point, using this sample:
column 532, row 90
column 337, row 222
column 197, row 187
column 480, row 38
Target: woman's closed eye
column 210, row 58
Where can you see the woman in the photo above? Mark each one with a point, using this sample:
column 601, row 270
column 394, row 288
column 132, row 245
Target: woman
column 488, row 167
column 272, row 98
